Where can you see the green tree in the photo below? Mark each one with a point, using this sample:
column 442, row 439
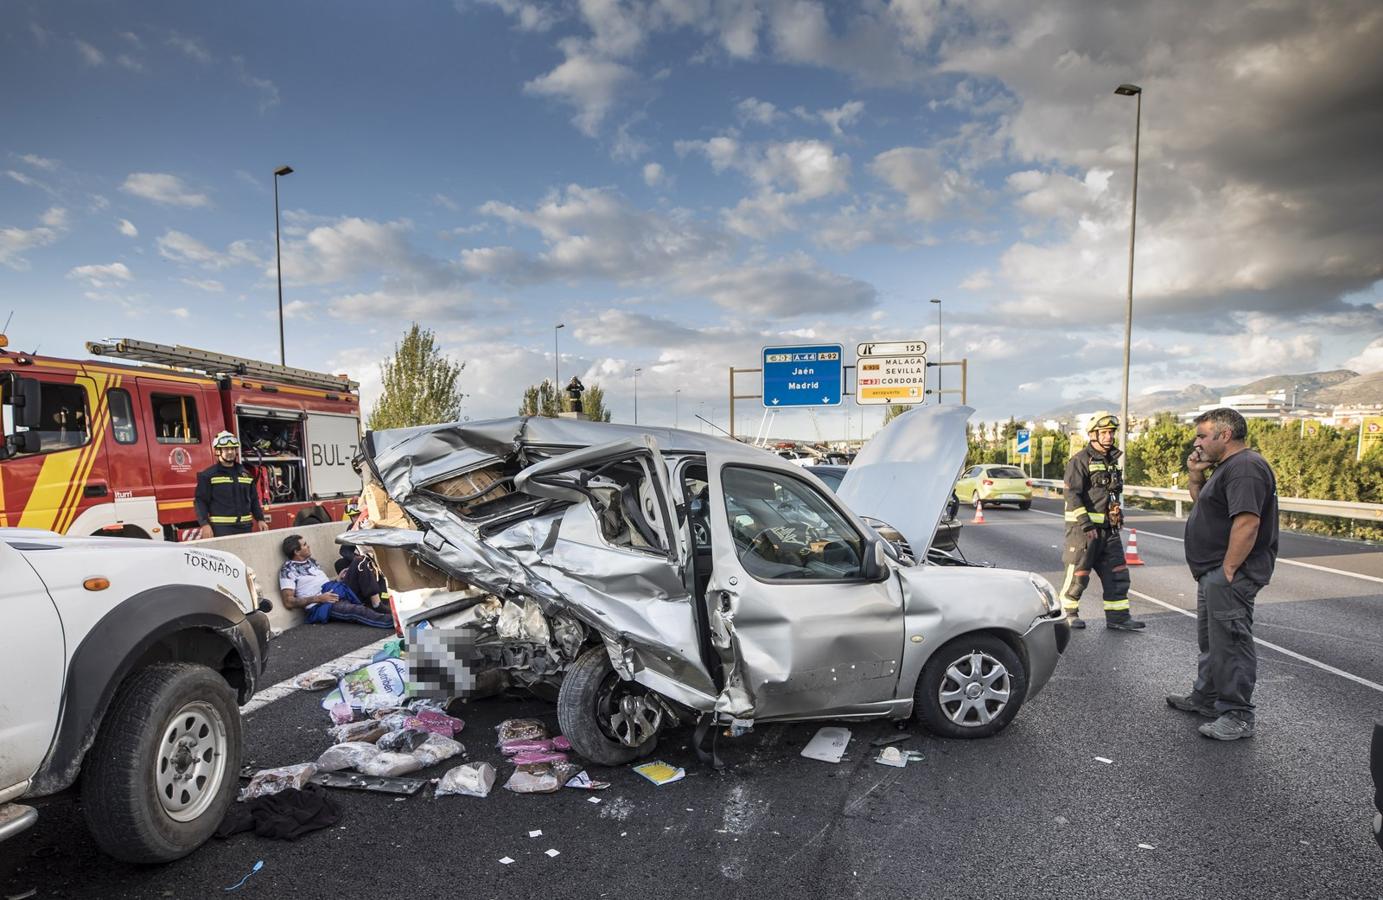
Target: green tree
column 593, row 404
column 420, row 384
column 1158, row 457
column 543, row 400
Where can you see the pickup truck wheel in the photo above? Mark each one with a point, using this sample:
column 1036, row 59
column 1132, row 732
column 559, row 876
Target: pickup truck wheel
column 163, row 769
column 587, row 704
column 971, row 688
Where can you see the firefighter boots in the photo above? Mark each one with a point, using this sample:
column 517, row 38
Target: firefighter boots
column 1120, row 620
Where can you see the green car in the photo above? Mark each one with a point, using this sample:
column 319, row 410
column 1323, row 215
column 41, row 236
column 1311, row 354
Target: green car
column 995, row 484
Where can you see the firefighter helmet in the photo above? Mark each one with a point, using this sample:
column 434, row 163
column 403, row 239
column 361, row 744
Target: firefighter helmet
column 225, row 439
column 1100, row 420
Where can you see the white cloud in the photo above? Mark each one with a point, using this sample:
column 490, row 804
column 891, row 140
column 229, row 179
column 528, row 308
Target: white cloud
column 432, row 305
column 653, row 175
column 298, row 309
column 29, row 181
column 618, row 327
column 787, row 175
column 1265, row 346
column 164, row 189
column 353, row 247
column 918, row 174
column 528, row 16
column 1370, row 359
column 210, row 285
column 39, row 162
column 789, row 287
column 836, row 119
column 180, row 312
column 125, row 61
column 586, row 82
column 126, row 227
column 90, row 55
column 268, row 92
column 446, row 202
column 183, row 248
column 99, row 276
column 191, row 48
column 758, row 111
column 15, row 242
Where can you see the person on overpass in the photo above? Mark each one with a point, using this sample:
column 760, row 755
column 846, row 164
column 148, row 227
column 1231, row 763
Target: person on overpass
column 1094, row 482
column 227, row 501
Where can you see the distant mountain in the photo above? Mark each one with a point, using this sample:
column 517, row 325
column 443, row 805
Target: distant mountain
column 1338, row 386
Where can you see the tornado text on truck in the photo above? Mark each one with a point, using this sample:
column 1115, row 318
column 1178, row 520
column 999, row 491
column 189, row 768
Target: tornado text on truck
column 95, row 447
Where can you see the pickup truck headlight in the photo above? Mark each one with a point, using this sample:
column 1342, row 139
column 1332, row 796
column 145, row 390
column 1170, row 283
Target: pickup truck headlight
column 252, row 585
column 1047, row 593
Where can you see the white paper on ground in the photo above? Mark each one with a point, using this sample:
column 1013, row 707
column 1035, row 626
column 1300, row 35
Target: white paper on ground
column 1104, row 760
column 828, row 744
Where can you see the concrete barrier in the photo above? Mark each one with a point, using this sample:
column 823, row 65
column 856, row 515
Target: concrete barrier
column 263, row 552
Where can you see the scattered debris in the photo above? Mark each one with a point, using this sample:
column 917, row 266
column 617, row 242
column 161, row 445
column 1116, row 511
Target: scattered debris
column 472, row 780
column 661, row 773
column 505, row 861
column 316, row 680
column 892, row 756
column 379, row 684
column 33, row 892
column 536, row 833
column 346, row 755
column 1062, row 820
column 592, row 799
column 583, row 782
column 1146, row 847
column 552, row 852
column 270, row 781
column 1104, row 760
column 259, row 864
column 373, row 783
column 526, row 782
column 885, row 741
column 520, row 730
column 828, row 744
column 285, row 816
column 435, row 721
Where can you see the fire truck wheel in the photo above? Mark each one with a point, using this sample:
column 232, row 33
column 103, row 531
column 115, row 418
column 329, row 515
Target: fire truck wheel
column 312, row 515
column 163, row 769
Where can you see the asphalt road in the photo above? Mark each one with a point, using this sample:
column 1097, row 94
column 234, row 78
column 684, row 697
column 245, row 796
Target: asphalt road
column 1030, row 813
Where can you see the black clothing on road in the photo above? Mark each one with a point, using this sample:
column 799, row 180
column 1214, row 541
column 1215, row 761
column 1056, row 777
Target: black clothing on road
column 1242, row 483
column 287, row 815
column 227, row 499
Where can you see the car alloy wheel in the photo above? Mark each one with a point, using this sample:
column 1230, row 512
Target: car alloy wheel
column 191, row 761
column 974, row 690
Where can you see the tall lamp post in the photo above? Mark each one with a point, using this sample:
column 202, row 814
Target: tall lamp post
column 938, row 349
column 676, row 408
column 556, row 359
column 636, row 395
column 278, row 255
column 1130, row 90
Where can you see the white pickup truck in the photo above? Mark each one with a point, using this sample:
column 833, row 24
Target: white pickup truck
column 124, row 671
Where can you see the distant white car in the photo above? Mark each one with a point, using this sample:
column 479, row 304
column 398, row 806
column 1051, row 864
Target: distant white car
column 133, row 659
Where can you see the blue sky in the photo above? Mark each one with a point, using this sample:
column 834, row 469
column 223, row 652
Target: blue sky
column 683, row 183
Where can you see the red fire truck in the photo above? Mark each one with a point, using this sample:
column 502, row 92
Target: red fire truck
column 93, row 447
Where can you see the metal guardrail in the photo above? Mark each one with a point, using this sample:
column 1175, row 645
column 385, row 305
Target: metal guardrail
column 1340, row 509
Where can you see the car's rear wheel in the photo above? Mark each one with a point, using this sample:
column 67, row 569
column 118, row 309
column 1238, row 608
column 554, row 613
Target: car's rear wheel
column 1025, row 504
column 971, row 688
column 595, row 708
column 163, row 769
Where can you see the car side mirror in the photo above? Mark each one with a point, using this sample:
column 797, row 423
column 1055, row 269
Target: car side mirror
column 875, row 566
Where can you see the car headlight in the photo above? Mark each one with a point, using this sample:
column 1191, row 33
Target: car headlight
column 1046, row 592
column 252, row 584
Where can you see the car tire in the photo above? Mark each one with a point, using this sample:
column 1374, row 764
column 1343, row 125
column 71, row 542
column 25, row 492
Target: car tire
column 179, row 719
column 585, row 690
column 973, row 659
column 1026, row 504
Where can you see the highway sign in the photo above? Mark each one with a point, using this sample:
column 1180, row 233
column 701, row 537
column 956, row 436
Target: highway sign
column 809, row 375
column 1024, row 442
column 891, row 348
column 890, row 379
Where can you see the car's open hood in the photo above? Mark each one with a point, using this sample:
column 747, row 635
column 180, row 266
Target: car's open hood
column 905, row 474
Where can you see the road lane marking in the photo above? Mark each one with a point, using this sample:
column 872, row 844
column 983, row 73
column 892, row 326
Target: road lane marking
column 1325, row 667
column 275, row 692
column 1282, row 560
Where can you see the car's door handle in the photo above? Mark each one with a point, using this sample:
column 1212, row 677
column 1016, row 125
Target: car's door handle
column 95, row 490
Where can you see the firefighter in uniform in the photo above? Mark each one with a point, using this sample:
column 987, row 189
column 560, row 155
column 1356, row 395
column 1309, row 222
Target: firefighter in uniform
column 227, row 500
column 1094, row 483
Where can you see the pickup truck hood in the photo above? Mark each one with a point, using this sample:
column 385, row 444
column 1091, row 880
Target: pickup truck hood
column 905, row 474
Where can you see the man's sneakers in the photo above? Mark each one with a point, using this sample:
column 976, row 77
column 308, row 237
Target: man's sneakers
column 1228, row 727
column 1193, row 703
column 1122, row 621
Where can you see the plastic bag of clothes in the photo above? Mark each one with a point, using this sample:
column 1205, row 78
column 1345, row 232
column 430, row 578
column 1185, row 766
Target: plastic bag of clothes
column 271, row 781
column 367, row 730
column 437, row 748
column 520, row 730
column 349, row 755
column 524, row 782
column 405, row 740
column 436, row 721
column 387, row 764
column 538, row 757
column 471, row 780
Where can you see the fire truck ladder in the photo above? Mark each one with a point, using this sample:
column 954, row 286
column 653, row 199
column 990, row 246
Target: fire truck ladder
column 218, row 364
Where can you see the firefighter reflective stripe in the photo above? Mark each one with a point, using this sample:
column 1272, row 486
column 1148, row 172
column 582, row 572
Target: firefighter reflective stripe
column 245, row 479
column 1101, row 467
column 1067, row 601
column 1116, row 605
column 230, row 520
column 222, row 479
column 1073, row 515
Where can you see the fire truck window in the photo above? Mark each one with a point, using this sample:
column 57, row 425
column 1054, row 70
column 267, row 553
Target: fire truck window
column 121, row 416
column 63, row 415
column 175, row 418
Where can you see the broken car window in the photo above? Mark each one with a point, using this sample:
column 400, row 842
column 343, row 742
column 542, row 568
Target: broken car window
column 785, row 529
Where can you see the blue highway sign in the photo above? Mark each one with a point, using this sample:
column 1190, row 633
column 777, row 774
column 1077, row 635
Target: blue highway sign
column 1024, row 442
column 810, row 375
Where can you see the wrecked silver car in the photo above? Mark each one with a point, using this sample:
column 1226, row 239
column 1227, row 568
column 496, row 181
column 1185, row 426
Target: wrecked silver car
column 648, row 578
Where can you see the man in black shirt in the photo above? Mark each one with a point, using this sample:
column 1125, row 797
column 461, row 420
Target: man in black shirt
column 1231, row 548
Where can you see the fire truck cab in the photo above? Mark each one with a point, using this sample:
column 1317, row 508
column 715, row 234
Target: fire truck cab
column 100, row 448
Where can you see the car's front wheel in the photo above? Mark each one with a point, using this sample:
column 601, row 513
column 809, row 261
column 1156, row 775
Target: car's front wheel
column 163, row 769
column 971, row 688
column 607, row 719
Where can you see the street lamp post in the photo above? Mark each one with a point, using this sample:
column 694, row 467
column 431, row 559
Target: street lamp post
column 636, row 395
column 676, row 408
column 938, row 348
column 556, row 359
column 1130, row 90
column 278, row 255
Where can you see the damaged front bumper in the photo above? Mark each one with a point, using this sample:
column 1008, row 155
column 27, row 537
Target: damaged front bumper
column 1043, row 645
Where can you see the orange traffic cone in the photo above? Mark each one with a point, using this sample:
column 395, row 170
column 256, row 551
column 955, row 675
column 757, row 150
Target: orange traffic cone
column 1131, row 557
column 979, row 510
